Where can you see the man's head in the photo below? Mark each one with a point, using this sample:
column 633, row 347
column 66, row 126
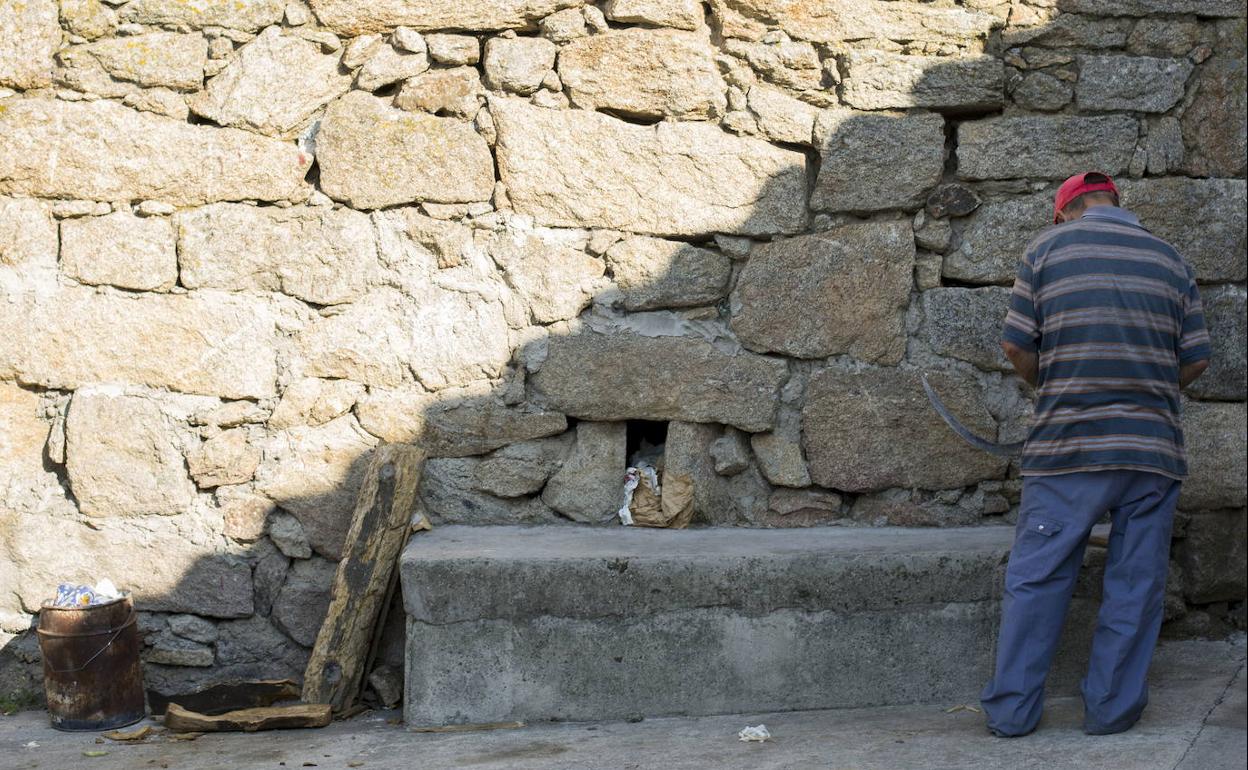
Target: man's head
column 1081, row 191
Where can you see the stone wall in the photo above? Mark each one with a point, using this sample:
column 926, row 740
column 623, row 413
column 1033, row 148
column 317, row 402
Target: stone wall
column 243, row 242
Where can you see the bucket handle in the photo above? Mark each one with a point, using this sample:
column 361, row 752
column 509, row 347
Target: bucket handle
column 114, row 633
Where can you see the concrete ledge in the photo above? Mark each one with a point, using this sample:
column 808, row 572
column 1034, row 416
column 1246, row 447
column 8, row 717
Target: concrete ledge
column 537, row 623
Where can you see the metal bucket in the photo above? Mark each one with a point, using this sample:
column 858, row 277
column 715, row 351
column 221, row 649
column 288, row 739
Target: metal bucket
column 91, row 670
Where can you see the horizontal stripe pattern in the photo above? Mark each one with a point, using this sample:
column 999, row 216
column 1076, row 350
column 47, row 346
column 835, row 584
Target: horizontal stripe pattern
column 1165, row 264
column 1088, row 282
column 1113, row 312
column 1060, row 416
column 1099, row 350
column 1113, row 317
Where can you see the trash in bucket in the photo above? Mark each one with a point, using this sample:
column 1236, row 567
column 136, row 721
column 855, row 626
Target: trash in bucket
column 69, row 595
column 91, row 671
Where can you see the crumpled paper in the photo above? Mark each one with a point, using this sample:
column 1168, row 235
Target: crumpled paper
column 756, row 734
column 632, row 479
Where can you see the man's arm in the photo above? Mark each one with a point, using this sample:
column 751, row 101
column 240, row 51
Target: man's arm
column 1026, row 362
column 1193, row 345
column 1188, row 372
column 1020, row 335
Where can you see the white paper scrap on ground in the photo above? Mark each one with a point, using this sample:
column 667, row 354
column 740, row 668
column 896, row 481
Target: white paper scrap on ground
column 754, row 734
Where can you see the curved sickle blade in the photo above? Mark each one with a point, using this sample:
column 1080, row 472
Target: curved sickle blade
column 1001, row 450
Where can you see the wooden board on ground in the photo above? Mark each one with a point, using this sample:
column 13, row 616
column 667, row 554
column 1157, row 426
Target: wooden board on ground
column 379, row 528
column 181, row 720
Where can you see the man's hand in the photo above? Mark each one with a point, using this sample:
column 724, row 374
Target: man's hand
column 1026, row 362
column 1189, row 372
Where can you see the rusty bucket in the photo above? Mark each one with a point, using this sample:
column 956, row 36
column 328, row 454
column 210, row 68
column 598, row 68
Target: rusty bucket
column 91, row 670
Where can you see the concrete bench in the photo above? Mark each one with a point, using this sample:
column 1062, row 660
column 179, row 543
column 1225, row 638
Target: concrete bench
column 536, row 623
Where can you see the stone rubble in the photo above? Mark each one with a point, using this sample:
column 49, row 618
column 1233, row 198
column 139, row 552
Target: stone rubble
column 872, row 162
column 655, row 273
column 555, row 281
column 522, row 468
column 449, row 494
column 323, row 256
column 240, row 15
column 28, row 246
column 1138, row 83
column 315, row 473
column 782, row 117
column 628, row 376
column 362, row 139
column 123, row 458
column 350, row 17
column 731, row 453
column 457, row 92
column 739, row 499
column 156, row 59
column 680, row 178
column 1045, row 147
column 390, row 65
column 226, row 458
column 843, row 20
column 312, row 402
column 588, row 487
column 994, row 238
column 301, row 605
column 955, row 324
column 120, row 250
column 779, row 454
column 840, row 291
column 642, row 72
column 272, row 85
column 107, row 152
column 29, row 38
column 898, row 440
column 453, row 49
column 518, row 64
column 89, row 19
column 878, row 80
column 203, row 343
column 678, row 14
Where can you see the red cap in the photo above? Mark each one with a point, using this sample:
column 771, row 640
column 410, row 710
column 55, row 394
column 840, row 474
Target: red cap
column 1075, row 186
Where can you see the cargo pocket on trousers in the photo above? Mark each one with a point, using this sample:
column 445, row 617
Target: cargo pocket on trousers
column 1045, row 527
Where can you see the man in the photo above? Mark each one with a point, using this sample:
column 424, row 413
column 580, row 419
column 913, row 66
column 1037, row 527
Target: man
column 1105, row 321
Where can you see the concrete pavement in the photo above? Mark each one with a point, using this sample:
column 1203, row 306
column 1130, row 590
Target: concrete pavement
column 1195, row 721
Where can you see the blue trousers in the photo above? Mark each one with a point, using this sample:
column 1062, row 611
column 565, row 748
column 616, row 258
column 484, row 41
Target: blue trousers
column 1054, row 522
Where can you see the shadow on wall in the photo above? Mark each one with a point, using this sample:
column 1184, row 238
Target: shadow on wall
column 761, row 305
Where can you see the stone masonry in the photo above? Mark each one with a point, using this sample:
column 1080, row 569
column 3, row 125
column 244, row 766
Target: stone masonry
column 244, row 242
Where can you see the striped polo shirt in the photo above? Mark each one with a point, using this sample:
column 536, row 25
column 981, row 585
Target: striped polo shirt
column 1114, row 312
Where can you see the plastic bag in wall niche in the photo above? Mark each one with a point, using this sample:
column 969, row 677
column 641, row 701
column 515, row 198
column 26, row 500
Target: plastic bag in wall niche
column 70, row 595
column 647, row 503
